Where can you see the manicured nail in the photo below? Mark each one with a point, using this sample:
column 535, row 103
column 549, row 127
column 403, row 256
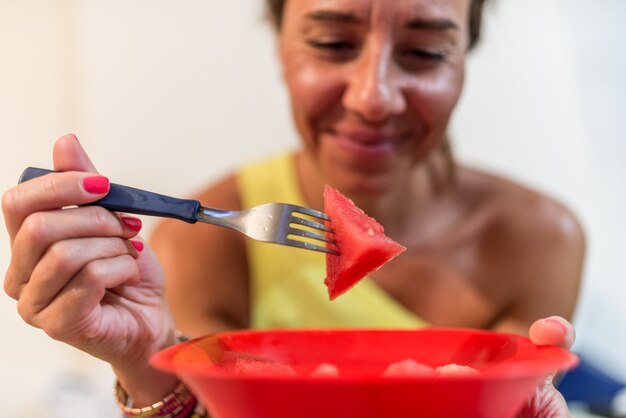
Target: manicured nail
column 557, row 323
column 132, row 223
column 137, row 244
column 96, row 184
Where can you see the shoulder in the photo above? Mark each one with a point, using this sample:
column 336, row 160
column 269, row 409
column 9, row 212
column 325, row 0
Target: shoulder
column 522, row 213
column 533, row 247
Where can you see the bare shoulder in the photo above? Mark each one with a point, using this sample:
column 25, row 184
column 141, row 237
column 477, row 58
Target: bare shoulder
column 532, row 247
column 522, row 212
column 532, row 243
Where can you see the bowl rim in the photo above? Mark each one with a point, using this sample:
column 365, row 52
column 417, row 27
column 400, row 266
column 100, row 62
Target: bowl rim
column 554, row 359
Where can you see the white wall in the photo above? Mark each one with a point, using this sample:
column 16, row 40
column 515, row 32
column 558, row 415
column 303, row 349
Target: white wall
column 171, row 96
column 36, row 104
column 167, row 94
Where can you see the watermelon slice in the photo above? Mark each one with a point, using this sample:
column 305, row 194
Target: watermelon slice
column 361, row 241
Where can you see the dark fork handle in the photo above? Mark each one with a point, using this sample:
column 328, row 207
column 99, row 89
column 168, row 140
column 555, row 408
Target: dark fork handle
column 130, row 200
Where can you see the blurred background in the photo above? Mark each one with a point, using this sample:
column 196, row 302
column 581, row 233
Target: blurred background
column 166, row 95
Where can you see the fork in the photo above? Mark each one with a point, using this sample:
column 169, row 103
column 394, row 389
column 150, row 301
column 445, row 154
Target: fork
column 279, row 223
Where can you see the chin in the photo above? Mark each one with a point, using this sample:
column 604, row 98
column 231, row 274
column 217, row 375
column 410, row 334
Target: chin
column 359, row 185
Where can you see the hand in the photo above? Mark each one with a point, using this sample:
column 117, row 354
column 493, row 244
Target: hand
column 547, row 402
column 75, row 272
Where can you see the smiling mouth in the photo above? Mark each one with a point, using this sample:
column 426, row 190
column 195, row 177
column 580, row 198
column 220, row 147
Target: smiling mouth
column 367, row 144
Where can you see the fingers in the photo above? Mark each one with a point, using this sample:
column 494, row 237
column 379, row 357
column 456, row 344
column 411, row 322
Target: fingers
column 45, row 231
column 63, row 261
column 51, row 191
column 70, row 261
column 76, row 311
column 69, row 155
column 545, row 402
column 553, row 330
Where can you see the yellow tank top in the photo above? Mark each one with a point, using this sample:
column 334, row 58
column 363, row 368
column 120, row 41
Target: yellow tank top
column 287, row 284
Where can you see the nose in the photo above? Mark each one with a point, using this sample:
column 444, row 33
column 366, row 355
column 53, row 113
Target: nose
column 373, row 88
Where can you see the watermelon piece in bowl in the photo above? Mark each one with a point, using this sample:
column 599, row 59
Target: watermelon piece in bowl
column 361, row 241
column 253, row 365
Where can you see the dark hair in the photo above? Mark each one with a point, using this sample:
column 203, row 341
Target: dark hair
column 275, row 10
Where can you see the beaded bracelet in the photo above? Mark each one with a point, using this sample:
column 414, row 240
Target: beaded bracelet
column 179, row 403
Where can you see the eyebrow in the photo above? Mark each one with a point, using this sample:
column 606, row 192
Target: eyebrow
column 432, row 24
column 334, row 16
column 347, row 17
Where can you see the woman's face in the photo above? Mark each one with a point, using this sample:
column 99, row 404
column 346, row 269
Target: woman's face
column 372, row 83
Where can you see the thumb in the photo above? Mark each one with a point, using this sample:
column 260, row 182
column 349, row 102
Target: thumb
column 69, row 155
column 553, row 330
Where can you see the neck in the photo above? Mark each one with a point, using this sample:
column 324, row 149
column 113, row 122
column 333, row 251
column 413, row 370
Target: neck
column 396, row 206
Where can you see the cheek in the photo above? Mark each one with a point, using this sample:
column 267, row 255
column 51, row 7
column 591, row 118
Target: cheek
column 432, row 101
column 315, row 96
column 435, row 98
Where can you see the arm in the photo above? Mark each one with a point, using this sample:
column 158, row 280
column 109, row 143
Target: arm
column 206, row 268
column 546, row 247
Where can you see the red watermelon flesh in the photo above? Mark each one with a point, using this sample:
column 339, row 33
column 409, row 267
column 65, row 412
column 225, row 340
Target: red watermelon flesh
column 253, row 365
column 408, row 367
column 361, row 241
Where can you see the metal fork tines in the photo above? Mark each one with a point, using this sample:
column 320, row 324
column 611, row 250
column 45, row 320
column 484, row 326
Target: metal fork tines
column 280, row 223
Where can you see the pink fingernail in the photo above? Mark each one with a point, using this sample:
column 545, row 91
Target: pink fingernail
column 137, row 244
column 558, row 323
column 132, row 223
column 96, row 184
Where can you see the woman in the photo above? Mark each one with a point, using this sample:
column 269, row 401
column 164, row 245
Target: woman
column 373, row 85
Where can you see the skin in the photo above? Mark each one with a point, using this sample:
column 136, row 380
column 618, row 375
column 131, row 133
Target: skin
column 371, row 100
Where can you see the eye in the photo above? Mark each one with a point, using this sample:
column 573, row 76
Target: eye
column 420, row 59
column 331, row 45
column 427, row 55
column 332, row 49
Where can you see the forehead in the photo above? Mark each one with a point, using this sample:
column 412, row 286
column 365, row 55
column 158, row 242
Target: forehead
column 380, row 11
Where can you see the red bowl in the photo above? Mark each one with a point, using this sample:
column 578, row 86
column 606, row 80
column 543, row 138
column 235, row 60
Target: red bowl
column 281, row 386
